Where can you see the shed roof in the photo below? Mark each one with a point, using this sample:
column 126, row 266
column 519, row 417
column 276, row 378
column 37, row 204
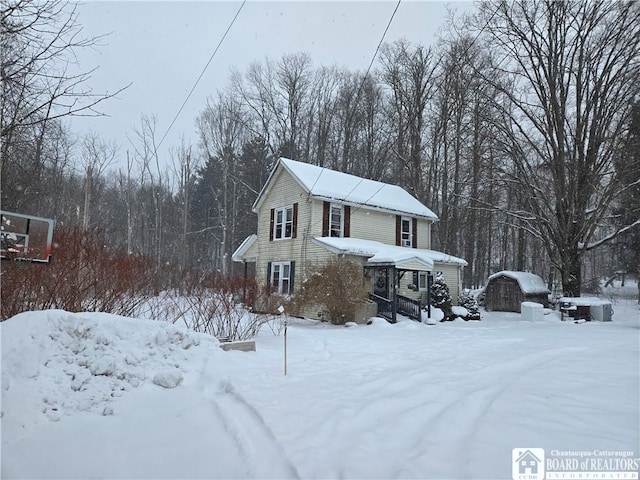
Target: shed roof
column 328, row 184
column 529, row 282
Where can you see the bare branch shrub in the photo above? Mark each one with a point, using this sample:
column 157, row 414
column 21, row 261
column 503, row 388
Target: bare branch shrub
column 83, row 276
column 210, row 311
column 338, row 286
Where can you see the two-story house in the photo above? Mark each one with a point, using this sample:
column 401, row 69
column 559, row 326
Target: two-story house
column 307, row 214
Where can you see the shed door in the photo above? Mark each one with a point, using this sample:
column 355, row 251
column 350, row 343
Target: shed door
column 510, row 295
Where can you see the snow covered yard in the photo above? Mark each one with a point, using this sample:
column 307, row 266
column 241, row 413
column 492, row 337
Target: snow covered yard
column 99, row 396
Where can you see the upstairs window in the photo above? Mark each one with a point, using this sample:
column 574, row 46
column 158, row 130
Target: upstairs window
column 336, row 221
column 283, row 223
column 406, row 232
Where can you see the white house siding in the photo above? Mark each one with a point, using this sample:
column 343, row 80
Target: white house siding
column 372, row 225
column 424, row 234
column 286, row 191
column 381, row 226
column 451, row 275
column 283, row 191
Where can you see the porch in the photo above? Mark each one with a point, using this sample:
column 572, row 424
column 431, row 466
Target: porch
column 386, row 294
column 403, row 305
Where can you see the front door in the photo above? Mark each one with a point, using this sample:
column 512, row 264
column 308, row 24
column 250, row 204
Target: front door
column 381, row 282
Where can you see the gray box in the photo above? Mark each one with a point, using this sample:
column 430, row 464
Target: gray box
column 601, row 312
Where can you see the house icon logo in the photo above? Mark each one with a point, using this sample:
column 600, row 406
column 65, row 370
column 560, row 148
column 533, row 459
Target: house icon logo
column 527, row 463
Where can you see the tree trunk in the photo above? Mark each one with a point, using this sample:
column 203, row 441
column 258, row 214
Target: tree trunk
column 571, row 273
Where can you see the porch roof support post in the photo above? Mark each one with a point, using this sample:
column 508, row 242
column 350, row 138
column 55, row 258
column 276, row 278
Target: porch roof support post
column 396, row 281
column 429, row 284
column 244, row 285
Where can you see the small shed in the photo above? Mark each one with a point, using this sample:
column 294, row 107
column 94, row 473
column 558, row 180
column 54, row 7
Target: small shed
column 506, row 290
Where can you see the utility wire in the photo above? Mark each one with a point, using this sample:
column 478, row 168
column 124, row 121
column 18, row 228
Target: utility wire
column 201, row 74
column 364, row 78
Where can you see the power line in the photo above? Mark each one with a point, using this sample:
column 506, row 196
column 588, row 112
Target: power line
column 364, row 78
column 375, row 54
column 201, row 74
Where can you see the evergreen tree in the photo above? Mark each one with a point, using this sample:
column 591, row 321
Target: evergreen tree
column 468, row 301
column 441, row 297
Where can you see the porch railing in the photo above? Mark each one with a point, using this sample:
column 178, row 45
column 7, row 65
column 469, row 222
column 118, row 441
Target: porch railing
column 385, row 307
column 406, row 306
column 409, row 307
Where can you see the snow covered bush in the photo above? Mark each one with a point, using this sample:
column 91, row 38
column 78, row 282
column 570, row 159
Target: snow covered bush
column 337, row 286
column 441, row 297
column 468, row 301
column 207, row 310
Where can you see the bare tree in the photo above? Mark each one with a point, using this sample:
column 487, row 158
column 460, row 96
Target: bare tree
column 126, row 185
column 38, row 43
column 146, row 155
column 277, row 96
column 96, row 155
column 572, row 71
column 221, row 130
column 409, row 72
column 184, row 169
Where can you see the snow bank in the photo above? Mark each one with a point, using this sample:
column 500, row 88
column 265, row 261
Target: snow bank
column 63, row 362
column 102, row 396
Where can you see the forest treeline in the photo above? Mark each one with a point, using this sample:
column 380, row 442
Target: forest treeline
column 519, row 127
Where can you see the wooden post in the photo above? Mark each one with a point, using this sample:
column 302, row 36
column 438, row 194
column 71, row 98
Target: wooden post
column 396, row 281
column 281, row 310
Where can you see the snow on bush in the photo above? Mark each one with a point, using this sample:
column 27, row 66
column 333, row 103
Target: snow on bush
column 459, row 311
column 441, row 297
column 470, row 305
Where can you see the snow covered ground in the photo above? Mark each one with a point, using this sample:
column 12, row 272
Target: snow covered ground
column 91, row 395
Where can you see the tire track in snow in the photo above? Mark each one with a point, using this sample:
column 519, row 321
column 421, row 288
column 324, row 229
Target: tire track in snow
column 252, row 435
column 263, row 456
column 446, row 419
column 457, row 424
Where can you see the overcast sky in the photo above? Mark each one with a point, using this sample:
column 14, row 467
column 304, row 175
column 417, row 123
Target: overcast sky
column 162, row 47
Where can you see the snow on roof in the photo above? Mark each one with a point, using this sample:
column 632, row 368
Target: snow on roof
column 382, row 253
column 333, row 185
column 529, row 282
column 244, row 253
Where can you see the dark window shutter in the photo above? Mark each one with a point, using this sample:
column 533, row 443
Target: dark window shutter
column 414, row 234
column 268, row 274
column 415, row 280
column 292, row 275
column 347, row 221
column 271, row 222
column 325, row 219
column 398, row 230
column 294, row 233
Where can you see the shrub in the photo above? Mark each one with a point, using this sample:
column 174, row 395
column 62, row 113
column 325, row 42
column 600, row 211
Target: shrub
column 337, row 286
column 441, row 297
column 84, row 275
column 468, row 301
column 208, row 310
